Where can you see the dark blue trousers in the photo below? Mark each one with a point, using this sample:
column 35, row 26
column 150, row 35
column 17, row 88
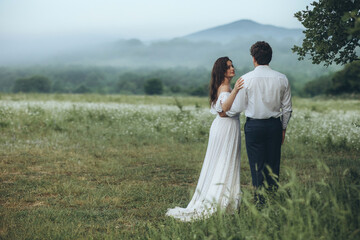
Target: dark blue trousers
column 263, row 145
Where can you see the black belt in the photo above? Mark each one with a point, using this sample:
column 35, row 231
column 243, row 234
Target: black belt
column 272, row 118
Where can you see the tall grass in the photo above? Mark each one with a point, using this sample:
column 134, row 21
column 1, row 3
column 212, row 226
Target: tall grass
column 109, row 168
column 296, row 211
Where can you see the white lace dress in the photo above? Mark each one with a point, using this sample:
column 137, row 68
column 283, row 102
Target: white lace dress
column 219, row 182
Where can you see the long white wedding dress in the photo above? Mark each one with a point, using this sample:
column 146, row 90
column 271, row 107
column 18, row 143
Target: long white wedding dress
column 219, row 182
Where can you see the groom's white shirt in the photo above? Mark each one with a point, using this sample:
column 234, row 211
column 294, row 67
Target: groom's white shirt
column 266, row 94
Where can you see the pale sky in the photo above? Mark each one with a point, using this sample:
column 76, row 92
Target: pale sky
column 143, row 19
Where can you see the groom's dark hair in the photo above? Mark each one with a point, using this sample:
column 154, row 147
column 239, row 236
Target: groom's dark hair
column 262, row 52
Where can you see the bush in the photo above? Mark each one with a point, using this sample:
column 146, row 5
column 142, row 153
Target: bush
column 82, row 89
column 318, row 86
column 153, row 86
column 33, row 84
column 200, row 91
column 346, row 80
column 175, row 89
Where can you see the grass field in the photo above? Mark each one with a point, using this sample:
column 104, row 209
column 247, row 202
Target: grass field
column 108, row 167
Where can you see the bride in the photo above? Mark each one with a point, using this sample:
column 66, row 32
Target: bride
column 219, row 182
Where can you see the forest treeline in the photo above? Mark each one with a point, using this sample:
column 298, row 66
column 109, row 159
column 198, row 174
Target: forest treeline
column 106, row 80
column 180, row 80
column 345, row 81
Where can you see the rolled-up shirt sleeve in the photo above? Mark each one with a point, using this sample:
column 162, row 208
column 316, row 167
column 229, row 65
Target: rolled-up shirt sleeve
column 286, row 106
column 239, row 104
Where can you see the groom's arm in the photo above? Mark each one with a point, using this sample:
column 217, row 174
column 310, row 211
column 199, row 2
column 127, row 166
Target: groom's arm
column 286, row 106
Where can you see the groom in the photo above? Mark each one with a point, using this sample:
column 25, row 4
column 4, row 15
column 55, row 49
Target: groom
column 266, row 100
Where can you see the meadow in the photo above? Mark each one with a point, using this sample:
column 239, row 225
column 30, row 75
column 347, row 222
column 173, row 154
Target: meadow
column 108, row 166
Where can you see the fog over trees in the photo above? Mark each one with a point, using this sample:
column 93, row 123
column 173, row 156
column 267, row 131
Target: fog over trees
column 182, row 64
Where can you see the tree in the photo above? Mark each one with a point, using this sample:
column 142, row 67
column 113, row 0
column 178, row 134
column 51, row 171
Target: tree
column 318, row 86
column 346, row 80
column 332, row 31
column 129, row 83
column 202, row 90
column 82, row 89
column 32, row 84
column 153, row 86
column 175, row 88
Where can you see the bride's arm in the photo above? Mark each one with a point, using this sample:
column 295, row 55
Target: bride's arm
column 229, row 101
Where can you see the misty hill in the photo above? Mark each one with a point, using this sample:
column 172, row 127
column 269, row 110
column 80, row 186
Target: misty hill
column 244, row 29
column 195, row 51
column 199, row 49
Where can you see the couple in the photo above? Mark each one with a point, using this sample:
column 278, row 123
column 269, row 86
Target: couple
column 264, row 96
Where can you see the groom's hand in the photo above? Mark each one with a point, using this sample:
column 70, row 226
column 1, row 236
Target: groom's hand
column 223, row 114
column 283, row 136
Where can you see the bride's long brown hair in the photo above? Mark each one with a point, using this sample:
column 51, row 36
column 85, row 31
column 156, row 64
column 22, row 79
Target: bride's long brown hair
column 217, row 77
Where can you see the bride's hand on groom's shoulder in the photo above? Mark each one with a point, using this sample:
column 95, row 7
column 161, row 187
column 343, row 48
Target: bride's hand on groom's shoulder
column 239, row 84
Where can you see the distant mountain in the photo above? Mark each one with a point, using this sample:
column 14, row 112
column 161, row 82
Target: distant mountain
column 183, row 62
column 199, row 49
column 244, row 29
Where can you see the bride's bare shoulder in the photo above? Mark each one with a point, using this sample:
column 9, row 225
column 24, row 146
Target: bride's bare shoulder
column 223, row 88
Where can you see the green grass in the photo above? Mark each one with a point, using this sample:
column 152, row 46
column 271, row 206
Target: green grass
column 110, row 169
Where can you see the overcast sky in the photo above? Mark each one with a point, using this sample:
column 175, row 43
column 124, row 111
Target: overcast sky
column 143, row 19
